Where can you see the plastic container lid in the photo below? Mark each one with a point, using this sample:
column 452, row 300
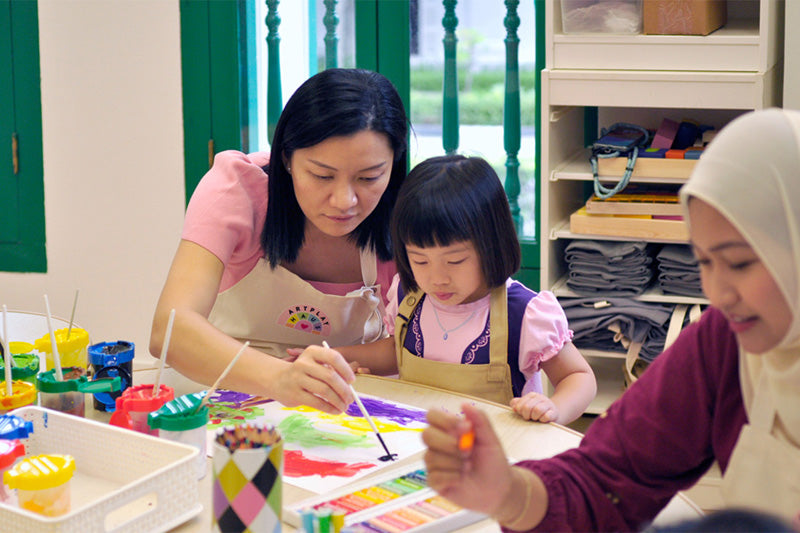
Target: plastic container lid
column 14, row 427
column 40, row 472
column 20, row 347
column 27, row 365
column 47, row 382
column 140, row 398
column 22, row 393
column 78, row 338
column 9, row 451
column 180, row 414
column 111, row 353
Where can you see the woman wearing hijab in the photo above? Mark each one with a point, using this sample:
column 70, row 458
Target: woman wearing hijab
column 727, row 390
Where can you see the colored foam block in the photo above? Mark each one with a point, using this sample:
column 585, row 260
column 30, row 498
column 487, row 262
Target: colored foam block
column 675, row 154
column 692, row 154
column 665, row 135
column 687, row 133
column 654, row 153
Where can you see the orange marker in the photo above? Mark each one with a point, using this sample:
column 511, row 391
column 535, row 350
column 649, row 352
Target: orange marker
column 466, row 440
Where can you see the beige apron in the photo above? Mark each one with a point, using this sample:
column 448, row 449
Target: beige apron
column 763, row 472
column 275, row 309
column 491, row 382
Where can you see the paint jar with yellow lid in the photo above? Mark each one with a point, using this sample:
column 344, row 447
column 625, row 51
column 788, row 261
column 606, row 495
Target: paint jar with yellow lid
column 42, row 483
column 22, row 394
column 72, row 347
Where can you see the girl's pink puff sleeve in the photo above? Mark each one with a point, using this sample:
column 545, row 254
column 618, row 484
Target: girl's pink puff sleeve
column 392, row 305
column 543, row 334
column 226, row 212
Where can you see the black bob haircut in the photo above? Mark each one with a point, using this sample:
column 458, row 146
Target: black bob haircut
column 333, row 103
column 451, row 199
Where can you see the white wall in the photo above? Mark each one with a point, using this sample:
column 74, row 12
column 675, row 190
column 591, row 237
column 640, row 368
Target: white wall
column 113, row 163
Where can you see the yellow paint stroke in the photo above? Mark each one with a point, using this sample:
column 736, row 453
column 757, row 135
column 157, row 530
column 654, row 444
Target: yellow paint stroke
column 355, row 423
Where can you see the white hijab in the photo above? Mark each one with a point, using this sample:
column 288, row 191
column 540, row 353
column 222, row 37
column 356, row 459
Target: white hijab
column 750, row 173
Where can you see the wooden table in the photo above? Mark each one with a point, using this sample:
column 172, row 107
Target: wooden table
column 521, row 439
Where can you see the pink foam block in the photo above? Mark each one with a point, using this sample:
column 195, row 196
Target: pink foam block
column 665, row 135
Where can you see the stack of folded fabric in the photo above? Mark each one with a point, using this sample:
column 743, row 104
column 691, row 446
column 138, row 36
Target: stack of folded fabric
column 608, row 267
column 601, row 324
column 678, row 272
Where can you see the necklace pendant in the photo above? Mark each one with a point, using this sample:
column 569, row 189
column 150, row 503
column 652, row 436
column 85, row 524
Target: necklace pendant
column 444, row 336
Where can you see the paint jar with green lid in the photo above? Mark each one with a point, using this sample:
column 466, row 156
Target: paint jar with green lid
column 180, row 420
column 67, row 394
column 26, row 366
column 42, row 483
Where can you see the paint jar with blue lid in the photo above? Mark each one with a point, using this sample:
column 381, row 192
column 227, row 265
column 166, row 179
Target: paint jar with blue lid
column 110, row 360
column 183, row 420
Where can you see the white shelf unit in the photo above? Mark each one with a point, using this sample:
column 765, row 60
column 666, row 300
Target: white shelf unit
column 641, row 79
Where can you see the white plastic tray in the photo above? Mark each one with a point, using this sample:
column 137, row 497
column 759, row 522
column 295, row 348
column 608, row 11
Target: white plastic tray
column 124, row 480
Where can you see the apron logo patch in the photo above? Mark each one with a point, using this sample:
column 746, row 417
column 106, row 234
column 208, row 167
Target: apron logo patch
column 307, row 319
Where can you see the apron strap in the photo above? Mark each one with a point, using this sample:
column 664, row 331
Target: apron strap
column 498, row 334
column 369, row 266
column 404, row 310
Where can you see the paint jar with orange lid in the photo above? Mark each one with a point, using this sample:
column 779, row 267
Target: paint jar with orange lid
column 22, row 394
column 42, row 483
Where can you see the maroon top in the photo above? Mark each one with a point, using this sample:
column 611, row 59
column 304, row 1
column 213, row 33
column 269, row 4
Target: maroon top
column 662, row 435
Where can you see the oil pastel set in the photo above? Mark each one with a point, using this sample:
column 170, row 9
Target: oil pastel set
column 397, row 501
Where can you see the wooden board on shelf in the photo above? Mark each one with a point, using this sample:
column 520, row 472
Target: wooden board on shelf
column 646, row 167
column 635, row 204
column 638, row 226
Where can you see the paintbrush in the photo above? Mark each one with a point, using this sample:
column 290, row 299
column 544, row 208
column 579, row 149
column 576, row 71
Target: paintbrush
column 213, row 388
column 366, row 415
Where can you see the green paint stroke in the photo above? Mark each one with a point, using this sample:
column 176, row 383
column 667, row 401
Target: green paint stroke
column 297, row 429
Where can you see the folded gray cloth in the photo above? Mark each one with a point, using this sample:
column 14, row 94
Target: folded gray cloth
column 612, row 251
column 677, row 254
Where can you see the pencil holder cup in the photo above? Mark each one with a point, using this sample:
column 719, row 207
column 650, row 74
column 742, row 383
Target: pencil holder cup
column 136, row 404
column 248, row 485
column 67, row 394
column 183, row 420
column 22, row 394
column 71, row 345
column 111, row 359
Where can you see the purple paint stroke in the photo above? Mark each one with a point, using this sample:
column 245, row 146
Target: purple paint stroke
column 378, row 408
column 230, row 396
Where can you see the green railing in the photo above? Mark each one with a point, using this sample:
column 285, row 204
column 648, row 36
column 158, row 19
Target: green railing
column 450, row 110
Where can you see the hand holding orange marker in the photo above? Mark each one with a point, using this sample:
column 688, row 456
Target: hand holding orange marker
column 466, row 440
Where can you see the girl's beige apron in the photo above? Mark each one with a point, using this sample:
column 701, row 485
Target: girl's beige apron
column 491, row 382
column 275, row 309
column 763, row 472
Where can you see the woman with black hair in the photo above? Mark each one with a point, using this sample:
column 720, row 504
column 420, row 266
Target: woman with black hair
column 292, row 249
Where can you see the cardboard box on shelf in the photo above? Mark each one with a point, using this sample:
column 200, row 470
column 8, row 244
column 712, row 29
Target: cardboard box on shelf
column 684, row 17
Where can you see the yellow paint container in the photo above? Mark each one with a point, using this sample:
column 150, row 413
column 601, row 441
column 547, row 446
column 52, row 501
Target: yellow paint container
column 72, row 351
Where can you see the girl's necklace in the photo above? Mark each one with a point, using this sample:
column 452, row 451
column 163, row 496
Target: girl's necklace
column 446, row 332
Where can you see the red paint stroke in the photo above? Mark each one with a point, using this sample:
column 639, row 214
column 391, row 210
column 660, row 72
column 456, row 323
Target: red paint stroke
column 295, row 464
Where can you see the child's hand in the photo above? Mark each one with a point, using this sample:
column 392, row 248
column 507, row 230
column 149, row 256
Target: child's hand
column 358, row 369
column 535, row 406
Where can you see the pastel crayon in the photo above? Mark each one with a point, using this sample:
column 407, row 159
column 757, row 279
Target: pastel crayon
column 415, row 516
column 400, row 489
column 357, row 501
column 345, row 506
column 383, row 493
column 337, row 520
column 384, row 526
column 444, row 504
column 414, row 485
column 385, row 520
column 367, row 496
column 308, row 521
column 324, row 520
column 429, row 507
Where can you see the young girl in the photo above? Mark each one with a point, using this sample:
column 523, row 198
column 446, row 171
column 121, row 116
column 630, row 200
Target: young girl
column 461, row 323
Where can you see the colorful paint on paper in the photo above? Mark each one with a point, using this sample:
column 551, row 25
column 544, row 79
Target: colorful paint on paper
column 323, row 452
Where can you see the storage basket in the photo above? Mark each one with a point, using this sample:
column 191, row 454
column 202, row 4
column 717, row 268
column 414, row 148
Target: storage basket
column 124, row 480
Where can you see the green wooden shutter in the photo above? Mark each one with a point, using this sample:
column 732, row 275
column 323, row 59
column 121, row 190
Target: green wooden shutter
column 22, row 229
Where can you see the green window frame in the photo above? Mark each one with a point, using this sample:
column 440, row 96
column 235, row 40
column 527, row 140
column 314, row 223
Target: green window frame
column 22, row 222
